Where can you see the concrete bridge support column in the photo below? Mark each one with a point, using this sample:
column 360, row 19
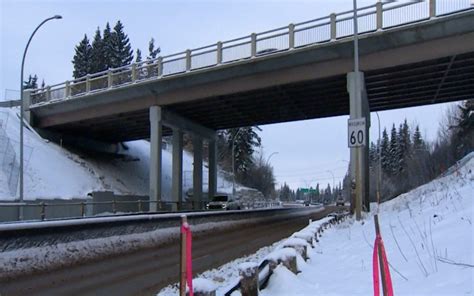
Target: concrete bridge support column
column 177, row 169
column 359, row 108
column 212, row 184
column 197, row 171
column 156, row 135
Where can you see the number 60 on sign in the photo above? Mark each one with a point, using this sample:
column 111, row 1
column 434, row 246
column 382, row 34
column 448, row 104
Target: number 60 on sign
column 356, row 132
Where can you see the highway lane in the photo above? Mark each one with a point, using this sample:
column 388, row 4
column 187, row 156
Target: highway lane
column 146, row 271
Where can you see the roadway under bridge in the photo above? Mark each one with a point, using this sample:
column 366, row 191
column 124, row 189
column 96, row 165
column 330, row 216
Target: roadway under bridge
column 424, row 62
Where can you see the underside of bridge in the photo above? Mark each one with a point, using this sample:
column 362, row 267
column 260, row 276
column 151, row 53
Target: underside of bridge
column 440, row 80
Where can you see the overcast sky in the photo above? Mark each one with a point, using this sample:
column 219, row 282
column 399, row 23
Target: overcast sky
column 307, row 151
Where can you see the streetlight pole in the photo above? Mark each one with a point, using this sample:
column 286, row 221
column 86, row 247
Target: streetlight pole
column 379, row 175
column 333, row 180
column 56, row 17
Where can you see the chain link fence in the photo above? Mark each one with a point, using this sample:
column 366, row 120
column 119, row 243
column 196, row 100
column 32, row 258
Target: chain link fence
column 9, row 156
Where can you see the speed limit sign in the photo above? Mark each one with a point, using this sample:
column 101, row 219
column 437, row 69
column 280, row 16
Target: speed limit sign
column 356, row 132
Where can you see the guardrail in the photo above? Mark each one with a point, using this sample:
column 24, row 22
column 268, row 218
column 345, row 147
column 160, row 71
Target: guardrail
column 265, row 269
column 141, row 206
column 336, row 26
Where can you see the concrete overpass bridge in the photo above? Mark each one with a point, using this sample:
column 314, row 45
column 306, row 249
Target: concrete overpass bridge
column 411, row 54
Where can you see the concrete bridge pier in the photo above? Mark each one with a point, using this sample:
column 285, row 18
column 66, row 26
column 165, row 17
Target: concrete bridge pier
column 197, row 171
column 177, row 169
column 359, row 161
column 156, row 137
column 160, row 117
column 212, row 178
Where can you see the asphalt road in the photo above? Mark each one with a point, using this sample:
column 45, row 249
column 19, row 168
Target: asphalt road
column 146, row 271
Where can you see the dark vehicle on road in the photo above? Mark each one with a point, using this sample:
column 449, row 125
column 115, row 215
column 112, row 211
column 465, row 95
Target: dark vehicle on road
column 223, row 202
column 340, row 201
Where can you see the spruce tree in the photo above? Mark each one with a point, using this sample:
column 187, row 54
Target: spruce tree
column 31, row 83
column 82, row 58
column 401, row 150
column 107, row 47
column 122, row 53
column 98, row 59
column 385, row 152
column 418, row 143
column 152, row 51
column 138, row 57
column 393, row 155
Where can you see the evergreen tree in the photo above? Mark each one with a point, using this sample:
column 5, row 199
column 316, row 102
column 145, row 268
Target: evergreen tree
column 245, row 140
column 43, row 84
column 152, row 51
column 138, row 57
column 418, row 143
column 400, row 150
column 107, row 47
column 385, row 152
column 98, row 60
column 82, row 58
column 463, row 136
column 31, row 83
column 121, row 50
column 373, row 156
column 393, row 156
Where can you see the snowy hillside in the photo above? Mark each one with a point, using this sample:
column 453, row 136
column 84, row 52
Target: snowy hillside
column 54, row 172
column 428, row 235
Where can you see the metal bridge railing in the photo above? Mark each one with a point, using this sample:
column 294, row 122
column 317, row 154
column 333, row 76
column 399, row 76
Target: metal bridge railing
column 371, row 18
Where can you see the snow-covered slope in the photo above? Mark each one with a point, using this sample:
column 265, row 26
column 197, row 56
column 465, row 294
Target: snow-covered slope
column 54, row 172
column 427, row 232
column 428, row 235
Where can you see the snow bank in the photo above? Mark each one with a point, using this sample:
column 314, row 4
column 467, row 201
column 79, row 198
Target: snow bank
column 202, row 285
column 428, row 236
column 54, row 172
column 29, row 260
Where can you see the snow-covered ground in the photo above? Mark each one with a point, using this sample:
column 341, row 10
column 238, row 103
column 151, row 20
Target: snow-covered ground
column 54, row 172
column 427, row 232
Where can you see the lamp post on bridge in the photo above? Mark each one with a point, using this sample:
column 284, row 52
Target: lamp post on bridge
column 56, row 17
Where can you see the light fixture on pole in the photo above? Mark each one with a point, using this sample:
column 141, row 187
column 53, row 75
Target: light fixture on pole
column 268, row 159
column 56, row 17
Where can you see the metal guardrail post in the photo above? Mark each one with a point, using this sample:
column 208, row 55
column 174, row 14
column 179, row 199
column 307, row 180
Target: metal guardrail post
column 48, row 93
column 67, row 92
column 43, row 211
column 83, row 209
column 139, row 205
column 253, row 45
column 134, row 72
column 109, row 78
column 88, row 83
column 333, row 26
column 432, row 8
column 379, row 11
column 114, row 207
column 159, row 63
column 219, row 52
column 188, row 60
column 291, row 36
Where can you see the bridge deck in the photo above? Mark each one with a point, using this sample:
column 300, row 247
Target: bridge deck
column 416, row 64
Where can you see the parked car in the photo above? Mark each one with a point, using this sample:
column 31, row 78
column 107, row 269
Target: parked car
column 223, row 202
column 340, row 201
